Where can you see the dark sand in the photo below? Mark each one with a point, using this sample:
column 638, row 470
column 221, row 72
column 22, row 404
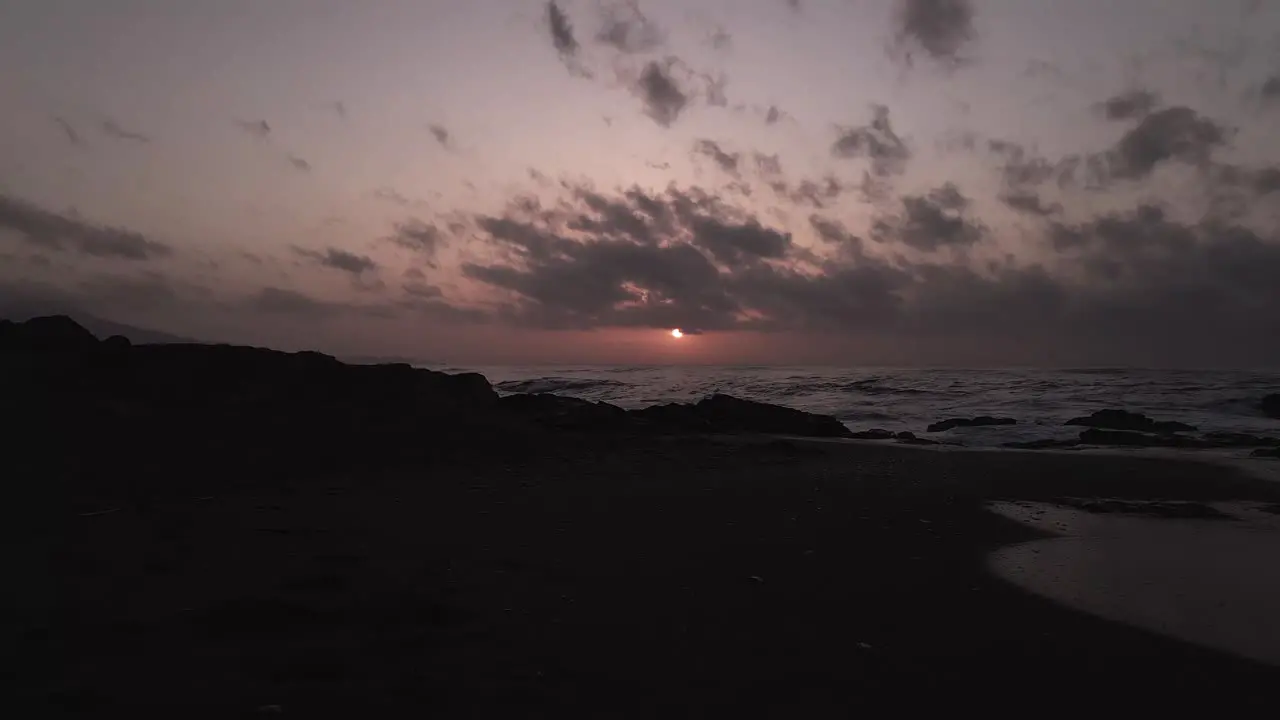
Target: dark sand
column 559, row 576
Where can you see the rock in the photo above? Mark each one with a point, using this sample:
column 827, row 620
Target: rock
column 872, row 434
column 1125, row 420
column 980, row 421
column 1270, row 406
column 55, row 334
column 565, row 412
column 1042, row 444
column 1240, row 440
column 116, row 343
column 905, row 435
column 1266, row 453
column 1125, row 438
column 725, row 414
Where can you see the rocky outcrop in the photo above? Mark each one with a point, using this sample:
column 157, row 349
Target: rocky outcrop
column 566, row 413
column 1270, row 406
column 980, row 421
column 729, row 415
column 873, row 434
column 1129, row 421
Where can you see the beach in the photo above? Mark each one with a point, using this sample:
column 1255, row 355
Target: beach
column 561, row 575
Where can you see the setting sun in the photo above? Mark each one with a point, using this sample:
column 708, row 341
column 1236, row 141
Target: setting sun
column 675, row 333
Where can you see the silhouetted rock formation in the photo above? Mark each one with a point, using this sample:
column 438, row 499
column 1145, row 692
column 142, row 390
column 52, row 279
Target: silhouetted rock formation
column 873, row 434
column 59, row 371
column 567, row 413
column 980, row 421
column 1239, row 440
column 1125, row 420
column 1270, row 406
column 726, row 414
column 1266, row 453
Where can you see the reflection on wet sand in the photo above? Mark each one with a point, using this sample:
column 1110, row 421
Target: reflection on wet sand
column 1210, row 581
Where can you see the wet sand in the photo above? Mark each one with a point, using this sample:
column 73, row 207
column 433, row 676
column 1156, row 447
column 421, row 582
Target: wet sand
column 563, row 576
column 1213, row 582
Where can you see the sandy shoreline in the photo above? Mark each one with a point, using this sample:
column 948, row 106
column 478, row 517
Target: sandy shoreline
column 547, row 575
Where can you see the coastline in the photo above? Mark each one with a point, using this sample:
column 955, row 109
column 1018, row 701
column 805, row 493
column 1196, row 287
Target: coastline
column 209, row 532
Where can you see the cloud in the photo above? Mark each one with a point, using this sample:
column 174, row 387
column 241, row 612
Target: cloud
column 876, row 142
column 111, row 129
column 338, row 259
column 660, row 92
column 53, row 231
column 418, row 236
column 69, row 132
column 773, row 115
column 561, row 31
column 281, row 301
column 767, row 164
column 727, row 161
column 340, row 108
column 628, row 30
column 1270, row 90
column 794, row 5
column 931, row 222
column 256, row 128
column 1176, row 133
column 720, row 39
column 391, row 195
column 298, row 163
column 1029, row 203
column 941, row 28
column 1129, row 105
column 1135, row 286
column 422, row 290
column 441, row 134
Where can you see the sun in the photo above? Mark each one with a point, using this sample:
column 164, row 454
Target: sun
column 676, row 333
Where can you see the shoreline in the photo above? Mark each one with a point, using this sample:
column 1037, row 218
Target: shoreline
column 215, row 531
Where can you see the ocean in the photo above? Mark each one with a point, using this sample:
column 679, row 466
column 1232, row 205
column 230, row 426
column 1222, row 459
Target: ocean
column 910, row 399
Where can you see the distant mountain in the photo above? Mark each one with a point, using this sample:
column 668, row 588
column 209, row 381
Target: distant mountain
column 138, row 336
column 103, row 328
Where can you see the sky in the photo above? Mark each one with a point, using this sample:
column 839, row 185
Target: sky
column 846, row 182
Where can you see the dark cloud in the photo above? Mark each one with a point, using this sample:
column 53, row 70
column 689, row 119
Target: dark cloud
column 727, row 161
column 415, row 274
column 1030, row 203
column 812, row 193
column 53, row 231
column 338, row 259
column 340, row 108
column 281, row 301
column 626, row 29
column 941, row 28
column 1129, row 105
column 113, row 130
column 1270, row 90
column 1176, row 133
column 794, row 5
column 441, row 134
column 876, row 142
column 773, row 115
column 930, row 222
column 418, row 236
column 1135, row 286
column 257, row 128
column 660, row 91
column 69, row 132
column 561, row 31
column 298, row 163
